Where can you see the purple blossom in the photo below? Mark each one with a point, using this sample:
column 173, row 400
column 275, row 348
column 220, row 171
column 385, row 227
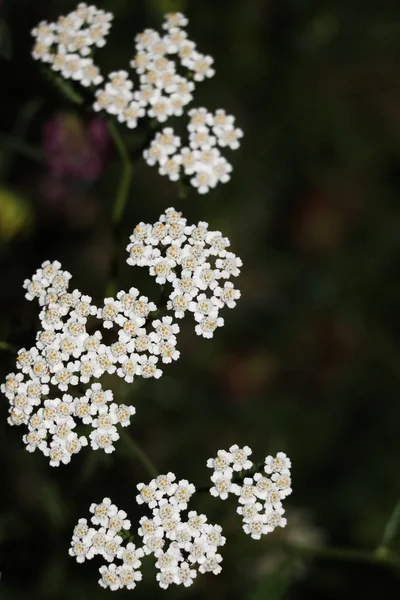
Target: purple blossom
column 74, row 147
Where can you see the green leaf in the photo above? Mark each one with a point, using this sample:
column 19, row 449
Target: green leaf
column 63, row 86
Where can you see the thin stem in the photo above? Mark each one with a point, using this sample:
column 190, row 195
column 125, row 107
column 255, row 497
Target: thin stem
column 134, row 450
column 389, row 532
column 126, row 174
column 119, row 203
column 128, row 161
column 343, row 554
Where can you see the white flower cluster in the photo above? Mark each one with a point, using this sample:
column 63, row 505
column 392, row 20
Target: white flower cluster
column 201, row 161
column 182, row 547
column 162, row 92
column 103, row 538
column 67, row 44
column 65, row 356
column 69, row 353
column 260, row 496
column 195, row 261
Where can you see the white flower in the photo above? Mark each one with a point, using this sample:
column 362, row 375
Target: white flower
column 176, row 19
column 240, row 456
column 148, row 367
column 283, row 483
column 201, row 139
column 148, row 494
column 90, row 73
column 110, row 577
column 211, row 564
column 223, row 486
column 208, row 325
column 227, row 295
column 165, row 483
column 200, row 64
column 167, row 351
column 79, row 550
column 229, row 265
column 182, row 494
column 122, row 414
column 171, row 167
column 256, row 527
column 263, row 485
column 221, row 463
column 167, row 578
column 103, row 439
column 247, row 492
column 102, row 511
column 128, row 577
column 278, row 464
column 275, row 519
column 160, row 108
column 203, row 181
column 179, row 303
column 229, row 137
column 186, row 574
column 204, row 306
column 131, row 114
column 110, row 313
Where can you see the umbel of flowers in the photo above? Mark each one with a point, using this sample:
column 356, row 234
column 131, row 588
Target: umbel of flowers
column 56, row 386
column 167, row 67
column 182, row 541
column 259, row 496
column 183, row 544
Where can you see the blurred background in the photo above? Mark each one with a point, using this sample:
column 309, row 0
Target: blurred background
column 308, row 362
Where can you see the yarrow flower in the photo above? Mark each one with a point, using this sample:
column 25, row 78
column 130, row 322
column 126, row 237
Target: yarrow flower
column 201, row 160
column 66, row 45
column 259, row 496
column 195, row 261
column 45, row 394
column 182, row 546
column 159, row 90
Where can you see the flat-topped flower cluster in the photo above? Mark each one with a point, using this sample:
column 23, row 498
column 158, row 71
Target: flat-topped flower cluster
column 70, row 353
column 67, row 44
column 159, row 91
column 195, row 260
column 182, row 545
column 259, row 496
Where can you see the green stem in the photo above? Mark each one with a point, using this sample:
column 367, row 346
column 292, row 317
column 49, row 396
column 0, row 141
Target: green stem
column 126, row 174
column 119, row 203
column 134, row 450
column 343, row 554
column 389, row 532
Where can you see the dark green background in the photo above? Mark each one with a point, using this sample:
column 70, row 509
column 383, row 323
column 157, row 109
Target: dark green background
column 307, row 363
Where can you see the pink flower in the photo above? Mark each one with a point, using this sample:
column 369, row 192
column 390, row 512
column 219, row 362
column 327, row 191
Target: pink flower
column 74, row 147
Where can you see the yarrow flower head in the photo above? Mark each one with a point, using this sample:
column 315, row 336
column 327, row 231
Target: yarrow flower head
column 195, row 261
column 260, row 495
column 45, row 393
column 167, row 68
column 182, row 547
column 66, row 45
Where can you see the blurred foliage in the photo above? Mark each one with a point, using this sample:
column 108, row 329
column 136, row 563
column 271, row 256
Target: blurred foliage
column 15, row 215
column 308, row 363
